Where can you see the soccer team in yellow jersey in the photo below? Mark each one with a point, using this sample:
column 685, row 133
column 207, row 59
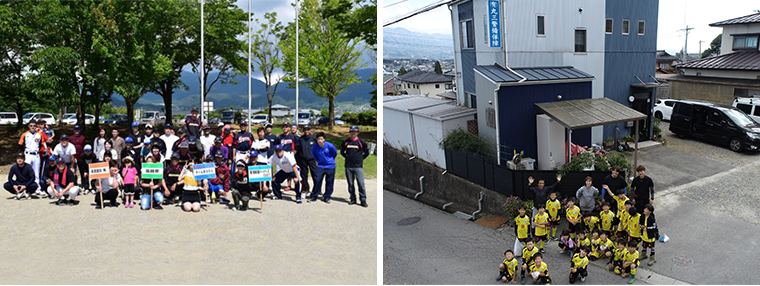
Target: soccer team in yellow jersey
column 614, row 235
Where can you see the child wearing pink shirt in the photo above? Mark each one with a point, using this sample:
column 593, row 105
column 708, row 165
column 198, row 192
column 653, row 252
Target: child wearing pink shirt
column 129, row 173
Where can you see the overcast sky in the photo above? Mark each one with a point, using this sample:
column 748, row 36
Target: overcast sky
column 673, row 16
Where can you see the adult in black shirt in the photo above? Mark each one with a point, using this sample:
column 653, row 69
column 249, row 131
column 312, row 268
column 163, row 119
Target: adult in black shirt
column 613, row 182
column 157, row 141
column 273, row 140
column 304, row 158
column 242, row 142
column 355, row 151
column 87, row 158
column 63, row 184
column 21, row 178
column 643, row 189
column 193, row 123
column 541, row 193
column 171, row 175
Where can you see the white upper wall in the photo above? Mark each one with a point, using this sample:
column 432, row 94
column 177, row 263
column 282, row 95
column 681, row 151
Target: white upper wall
column 726, row 45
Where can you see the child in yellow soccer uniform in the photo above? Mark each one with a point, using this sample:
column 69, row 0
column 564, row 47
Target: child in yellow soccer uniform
column 604, row 247
column 541, row 221
column 606, row 217
column 527, row 256
column 630, row 261
column 590, row 221
column 508, row 268
column 582, row 241
column 634, row 228
column 649, row 234
column 552, row 207
column 522, row 225
column 622, row 217
column 540, row 271
column 578, row 265
column 616, row 261
column 573, row 214
column 620, row 198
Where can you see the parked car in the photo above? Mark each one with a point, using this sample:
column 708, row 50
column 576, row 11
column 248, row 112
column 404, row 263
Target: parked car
column 8, row 118
column 338, row 121
column 214, row 121
column 324, row 120
column 663, row 108
column 47, row 117
column 717, row 123
column 304, row 118
column 152, row 117
column 228, row 117
column 116, row 119
column 750, row 106
column 71, row 119
column 261, row 119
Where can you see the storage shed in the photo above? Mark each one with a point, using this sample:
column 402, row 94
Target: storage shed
column 416, row 124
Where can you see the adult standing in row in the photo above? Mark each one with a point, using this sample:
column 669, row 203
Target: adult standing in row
column 541, row 192
column 304, row 157
column 78, row 140
column 643, row 189
column 355, row 151
column 116, row 141
column 66, row 151
column 31, row 142
column 273, row 139
column 613, row 182
column 21, row 178
column 243, row 142
column 324, row 153
column 99, row 144
column 169, row 140
column 262, row 146
column 193, row 124
column 207, row 140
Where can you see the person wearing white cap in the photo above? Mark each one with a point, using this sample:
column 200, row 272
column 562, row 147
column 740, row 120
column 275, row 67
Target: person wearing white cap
column 85, row 159
column 207, row 140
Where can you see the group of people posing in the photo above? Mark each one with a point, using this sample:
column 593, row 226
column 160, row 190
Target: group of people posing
column 615, row 233
column 62, row 172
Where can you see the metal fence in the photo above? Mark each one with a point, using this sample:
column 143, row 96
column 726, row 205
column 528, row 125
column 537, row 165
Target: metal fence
column 482, row 171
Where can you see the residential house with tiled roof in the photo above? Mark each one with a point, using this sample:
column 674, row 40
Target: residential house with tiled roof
column 733, row 73
column 422, row 82
column 665, row 60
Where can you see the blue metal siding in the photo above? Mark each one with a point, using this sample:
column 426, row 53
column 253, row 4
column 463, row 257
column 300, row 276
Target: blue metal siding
column 469, row 56
column 627, row 56
column 517, row 114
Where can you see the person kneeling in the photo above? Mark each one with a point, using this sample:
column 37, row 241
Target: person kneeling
column 191, row 197
column 63, row 184
column 107, row 188
column 242, row 190
column 151, row 188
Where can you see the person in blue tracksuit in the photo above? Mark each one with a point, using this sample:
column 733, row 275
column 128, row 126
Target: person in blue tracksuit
column 324, row 153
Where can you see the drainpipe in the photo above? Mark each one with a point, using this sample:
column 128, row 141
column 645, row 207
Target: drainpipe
column 480, row 206
column 421, row 189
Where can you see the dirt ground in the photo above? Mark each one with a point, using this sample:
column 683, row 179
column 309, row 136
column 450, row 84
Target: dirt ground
column 286, row 243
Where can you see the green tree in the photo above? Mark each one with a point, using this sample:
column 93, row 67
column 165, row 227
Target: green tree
column 18, row 27
column 328, row 60
column 438, row 68
column 402, row 71
column 267, row 53
column 714, row 47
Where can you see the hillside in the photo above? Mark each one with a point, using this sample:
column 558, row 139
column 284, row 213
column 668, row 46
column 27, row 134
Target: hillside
column 400, row 43
column 237, row 94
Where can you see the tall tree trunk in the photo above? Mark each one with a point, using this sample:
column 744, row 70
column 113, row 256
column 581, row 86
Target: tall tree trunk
column 270, row 97
column 97, row 115
column 130, row 111
column 167, row 92
column 331, row 112
column 19, row 112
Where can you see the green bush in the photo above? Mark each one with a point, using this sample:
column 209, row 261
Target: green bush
column 459, row 139
column 511, row 206
column 367, row 117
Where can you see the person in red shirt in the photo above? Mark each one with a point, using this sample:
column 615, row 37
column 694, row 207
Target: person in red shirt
column 78, row 140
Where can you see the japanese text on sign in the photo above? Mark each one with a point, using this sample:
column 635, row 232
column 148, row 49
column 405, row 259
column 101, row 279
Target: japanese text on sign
column 494, row 24
column 98, row 170
column 152, row 171
column 261, row 173
column 204, row 171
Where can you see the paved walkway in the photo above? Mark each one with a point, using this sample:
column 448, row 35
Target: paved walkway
column 311, row 243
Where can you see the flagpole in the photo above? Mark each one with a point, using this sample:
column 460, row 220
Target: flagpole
column 203, row 66
column 249, row 65
column 297, row 78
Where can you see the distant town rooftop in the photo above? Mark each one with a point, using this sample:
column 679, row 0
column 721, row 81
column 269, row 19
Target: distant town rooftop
column 417, row 76
column 749, row 19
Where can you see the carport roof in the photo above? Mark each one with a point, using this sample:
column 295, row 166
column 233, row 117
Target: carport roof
column 497, row 73
column 438, row 109
column 583, row 113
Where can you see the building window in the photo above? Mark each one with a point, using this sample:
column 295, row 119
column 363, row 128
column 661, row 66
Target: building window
column 580, row 40
column 449, row 86
column 663, row 66
column 466, row 30
column 491, row 117
column 473, row 100
column 437, row 86
column 540, row 26
column 745, row 42
column 608, row 26
column 626, row 27
column 743, row 92
column 641, row 27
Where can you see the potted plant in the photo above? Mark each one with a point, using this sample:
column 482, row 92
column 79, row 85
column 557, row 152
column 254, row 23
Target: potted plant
column 609, row 142
column 627, row 138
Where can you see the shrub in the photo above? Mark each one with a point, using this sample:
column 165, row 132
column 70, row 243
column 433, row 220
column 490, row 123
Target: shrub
column 459, row 139
column 511, row 206
column 367, row 117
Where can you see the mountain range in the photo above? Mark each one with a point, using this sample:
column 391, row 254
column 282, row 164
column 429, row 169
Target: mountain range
column 400, row 43
column 236, row 95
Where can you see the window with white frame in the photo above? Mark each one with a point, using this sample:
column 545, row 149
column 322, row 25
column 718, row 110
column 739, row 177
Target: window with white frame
column 745, row 42
column 626, row 26
column 449, row 86
column 608, row 26
column 540, row 25
column 580, row 40
column 466, row 33
column 437, row 86
column 641, row 28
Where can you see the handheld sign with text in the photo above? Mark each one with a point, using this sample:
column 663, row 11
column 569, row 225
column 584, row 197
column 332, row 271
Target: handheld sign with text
column 152, row 171
column 204, row 171
column 261, row 173
column 99, row 171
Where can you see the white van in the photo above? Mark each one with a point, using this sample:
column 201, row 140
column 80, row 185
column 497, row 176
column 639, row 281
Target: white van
column 71, row 119
column 47, row 117
column 749, row 105
column 151, row 117
column 8, row 118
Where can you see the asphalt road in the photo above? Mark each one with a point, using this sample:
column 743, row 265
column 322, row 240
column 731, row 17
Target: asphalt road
column 311, row 243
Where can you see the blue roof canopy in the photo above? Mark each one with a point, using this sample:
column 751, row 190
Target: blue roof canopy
column 497, row 73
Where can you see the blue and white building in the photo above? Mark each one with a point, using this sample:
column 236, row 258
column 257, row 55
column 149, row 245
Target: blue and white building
column 575, row 48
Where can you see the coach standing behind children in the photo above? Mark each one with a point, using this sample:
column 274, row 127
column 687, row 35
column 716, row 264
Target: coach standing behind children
column 355, row 151
column 324, row 152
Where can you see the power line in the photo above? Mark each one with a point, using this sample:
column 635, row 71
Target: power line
column 399, row 2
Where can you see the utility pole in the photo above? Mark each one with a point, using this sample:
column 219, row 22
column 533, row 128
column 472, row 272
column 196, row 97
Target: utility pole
column 685, row 50
column 700, row 47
